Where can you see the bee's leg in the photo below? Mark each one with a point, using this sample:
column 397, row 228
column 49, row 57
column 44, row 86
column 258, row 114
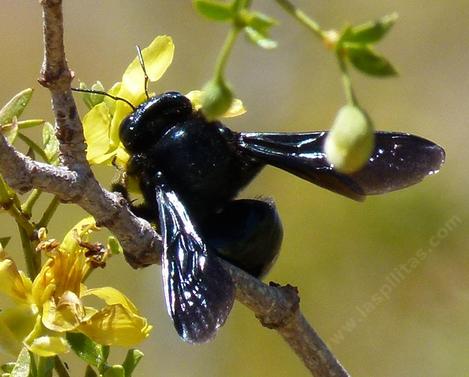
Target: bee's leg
column 145, row 210
column 247, row 233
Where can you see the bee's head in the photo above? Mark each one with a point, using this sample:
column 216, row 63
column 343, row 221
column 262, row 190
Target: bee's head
column 149, row 121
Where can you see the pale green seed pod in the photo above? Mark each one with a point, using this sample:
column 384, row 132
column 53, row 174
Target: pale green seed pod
column 350, row 142
column 216, row 99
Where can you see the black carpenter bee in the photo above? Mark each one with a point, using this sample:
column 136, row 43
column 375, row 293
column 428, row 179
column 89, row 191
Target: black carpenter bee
column 190, row 170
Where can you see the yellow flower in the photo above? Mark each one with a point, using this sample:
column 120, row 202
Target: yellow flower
column 101, row 124
column 42, row 311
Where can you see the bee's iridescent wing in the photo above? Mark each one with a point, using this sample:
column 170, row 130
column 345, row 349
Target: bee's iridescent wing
column 398, row 160
column 199, row 292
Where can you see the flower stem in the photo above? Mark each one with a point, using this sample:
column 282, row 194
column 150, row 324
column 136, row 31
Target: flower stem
column 20, row 218
column 347, row 82
column 225, row 53
column 302, row 17
column 60, row 367
column 9, row 203
column 32, row 259
column 49, row 212
column 45, row 367
column 27, row 206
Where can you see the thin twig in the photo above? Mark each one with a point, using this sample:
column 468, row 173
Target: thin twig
column 27, row 206
column 276, row 307
column 33, row 260
column 48, row 213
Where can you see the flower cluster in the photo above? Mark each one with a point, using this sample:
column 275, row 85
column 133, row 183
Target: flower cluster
column 101, row 124
column 42, row 311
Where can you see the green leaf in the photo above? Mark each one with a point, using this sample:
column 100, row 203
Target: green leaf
column 366, row 60
column 10, row 131
column 131, row 361
column 32, row 144
column 92, row 99
column 114, row 245
column 22, row 365
column 370, row 32
column 259, row 39
column 85, row 96
column 257, row 20
column 214, row 10
column 50, row 143
column 86, row 349
column 16, row 106
column 256, row 25
column 115, row 371
column 22, row 124
column 106, row 351
column 30, row 153
column 4, row 242
column 90, row 372
column 8, row 367
column 239, row 5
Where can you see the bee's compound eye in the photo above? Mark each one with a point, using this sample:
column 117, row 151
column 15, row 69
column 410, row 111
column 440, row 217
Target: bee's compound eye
column 152, row 119
column 134, row 134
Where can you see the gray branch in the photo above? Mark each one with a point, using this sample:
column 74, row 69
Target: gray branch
column 73, row 181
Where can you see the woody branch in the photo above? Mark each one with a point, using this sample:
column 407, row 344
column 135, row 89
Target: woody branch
column 73, row 182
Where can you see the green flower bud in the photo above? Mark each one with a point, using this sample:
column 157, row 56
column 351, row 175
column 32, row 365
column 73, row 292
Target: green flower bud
column 92, row 99
column 350, row 142
column 216, row 99
column 114, row 245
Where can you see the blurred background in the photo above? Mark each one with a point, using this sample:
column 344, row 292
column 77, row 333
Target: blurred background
column 383, row 311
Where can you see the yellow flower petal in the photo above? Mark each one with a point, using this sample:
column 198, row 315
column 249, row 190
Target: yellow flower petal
column 111, row 103
column 121, row 111
column 157, row 57
column 43, row 285
column 15, row 324
column 45, row 342
column 122, row 157
column 115, row 325
column 195, row 96
column 111, row 296
column 79, row 232
column 236, row 108
column 62, row 272
column 64, row 316
column 89, row 312
column 26, row 283
column 96, row 125
column 105, row 159
column 47, row 346
column 12, row 283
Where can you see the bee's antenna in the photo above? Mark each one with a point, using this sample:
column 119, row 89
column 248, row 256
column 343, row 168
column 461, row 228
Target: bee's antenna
column 115, row 98
column 142, row 64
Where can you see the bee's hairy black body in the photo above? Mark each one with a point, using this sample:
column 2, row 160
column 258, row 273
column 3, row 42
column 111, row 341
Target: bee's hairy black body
column 198, row 158
column 190, row 170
